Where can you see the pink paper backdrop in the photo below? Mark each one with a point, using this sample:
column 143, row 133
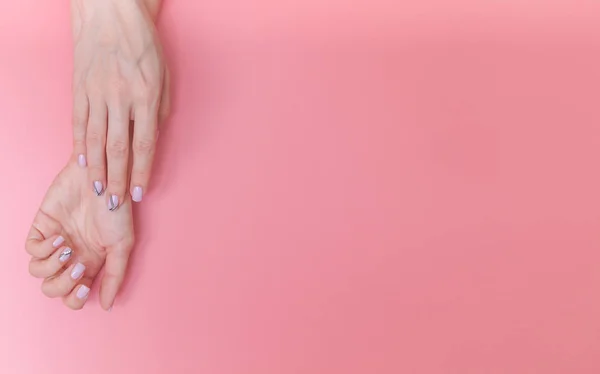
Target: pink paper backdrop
column 375, row 187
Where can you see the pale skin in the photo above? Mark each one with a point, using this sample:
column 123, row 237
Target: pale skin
column 119, row 77
column 120, row 97
column 72, row 219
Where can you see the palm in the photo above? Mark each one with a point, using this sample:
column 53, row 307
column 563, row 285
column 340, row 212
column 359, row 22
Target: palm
column 96, row 235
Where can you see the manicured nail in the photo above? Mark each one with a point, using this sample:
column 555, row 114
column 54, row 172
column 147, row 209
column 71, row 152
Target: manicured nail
column 58, row 242
column 78, row 271
column 98, row 188
column 82, row 161
column 113, row 202
column 137, row 194
column 65, row 255
column 83, row 291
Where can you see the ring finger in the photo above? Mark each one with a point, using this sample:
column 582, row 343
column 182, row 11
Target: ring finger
column 63, row 284
column 48, row 267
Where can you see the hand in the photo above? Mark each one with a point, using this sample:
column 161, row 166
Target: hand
column 119, row 76
column 73, row 236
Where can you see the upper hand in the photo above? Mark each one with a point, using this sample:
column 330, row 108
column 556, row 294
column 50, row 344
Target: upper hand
column 119, row 76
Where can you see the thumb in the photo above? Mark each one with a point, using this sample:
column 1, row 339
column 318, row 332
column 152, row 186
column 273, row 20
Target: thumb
column 114, row 273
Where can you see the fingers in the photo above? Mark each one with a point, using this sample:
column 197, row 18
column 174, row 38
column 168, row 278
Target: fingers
column 80, row 123
column 114, row 273
column 44, row 236
column 41, row 248
column 144, row 147
column 117, row 154
column 78, row 296
column 96, row 146
column 47, row 268
column 63, row 284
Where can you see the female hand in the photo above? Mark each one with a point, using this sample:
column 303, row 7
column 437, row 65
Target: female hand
column 74, row 236
column 119, row 76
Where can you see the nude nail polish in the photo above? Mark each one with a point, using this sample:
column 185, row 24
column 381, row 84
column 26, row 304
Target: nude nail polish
column 58, row 242
column 65, row 255
column 113, row 203
column 82, row 292
column 98, row 188
column 77, row 271
column 82, row 161
column 137, row 194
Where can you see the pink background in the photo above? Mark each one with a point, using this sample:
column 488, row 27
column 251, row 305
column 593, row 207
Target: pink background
column 381, row 187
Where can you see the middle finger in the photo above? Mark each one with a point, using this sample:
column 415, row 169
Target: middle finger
column 117, row 155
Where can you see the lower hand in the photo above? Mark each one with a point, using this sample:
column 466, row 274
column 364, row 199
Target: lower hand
column 73, row 236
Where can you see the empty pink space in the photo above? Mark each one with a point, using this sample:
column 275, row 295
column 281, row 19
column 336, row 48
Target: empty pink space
column 371, row 187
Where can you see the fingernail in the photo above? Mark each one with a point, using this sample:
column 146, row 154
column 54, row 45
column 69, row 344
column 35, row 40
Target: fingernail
column 78, row 271
column 65, row 255
column 110, row 309
column 113, row 202
column 58, row 242
column 98, row 188
column 82, row 161
column 83, row 291
column 137, row 194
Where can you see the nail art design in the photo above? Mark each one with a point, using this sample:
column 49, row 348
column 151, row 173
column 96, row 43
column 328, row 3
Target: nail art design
column 137, row 194
column 58, row 242
column 78, row 271
column 65, row 255
column 98, row 188
column 82, row 161
column 113, row 203
column 82, row 292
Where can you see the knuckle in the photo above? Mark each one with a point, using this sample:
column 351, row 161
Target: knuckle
column 94, row 138
column 144, row 146
column 79, row 143
column 97, row 169
column 117, row 149
column 79, row 120
column 117, row 84
column 116, row 185
column 140, row 177
column 149, row 94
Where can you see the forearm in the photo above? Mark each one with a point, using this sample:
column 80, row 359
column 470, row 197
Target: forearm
column 84, row 9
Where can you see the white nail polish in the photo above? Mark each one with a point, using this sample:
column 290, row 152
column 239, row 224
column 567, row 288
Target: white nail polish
column 58, row 242
column 82, row 292
column 113, row 203
column 78, row 271
column 137, row 194
column 82, row 161
column 98, row 188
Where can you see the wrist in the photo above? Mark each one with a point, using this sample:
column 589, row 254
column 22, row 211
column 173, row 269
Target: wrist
column 83, row 8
